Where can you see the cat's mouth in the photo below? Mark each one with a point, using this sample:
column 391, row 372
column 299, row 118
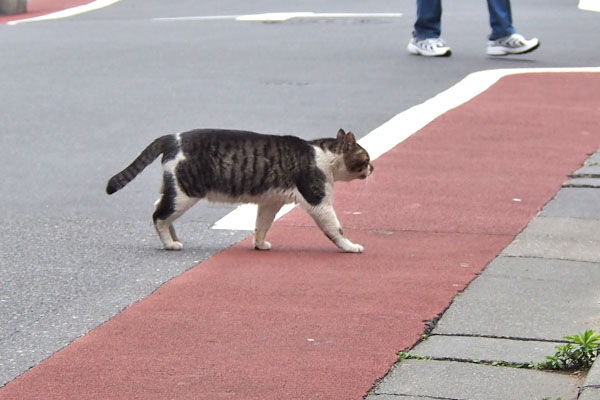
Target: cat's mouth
column 368, row 171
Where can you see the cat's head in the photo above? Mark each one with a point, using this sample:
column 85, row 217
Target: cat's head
column 357, row 163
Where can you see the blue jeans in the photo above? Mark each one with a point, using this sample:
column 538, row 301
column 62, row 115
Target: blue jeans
column 429, row 18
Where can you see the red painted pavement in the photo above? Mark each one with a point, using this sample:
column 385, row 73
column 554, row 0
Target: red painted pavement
column 304, row 321
column 35, row 8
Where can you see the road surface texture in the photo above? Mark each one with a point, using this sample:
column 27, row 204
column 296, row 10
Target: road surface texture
column 82, row 96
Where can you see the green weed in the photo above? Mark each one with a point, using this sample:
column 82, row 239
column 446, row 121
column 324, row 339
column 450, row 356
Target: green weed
column 579, row 354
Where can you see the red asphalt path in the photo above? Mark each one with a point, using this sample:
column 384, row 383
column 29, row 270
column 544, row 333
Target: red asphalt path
column 36, row 8
column 305, row 321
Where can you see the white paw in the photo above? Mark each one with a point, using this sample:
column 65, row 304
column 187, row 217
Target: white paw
column 262, row 246
column 174, row 246
column 353, row 248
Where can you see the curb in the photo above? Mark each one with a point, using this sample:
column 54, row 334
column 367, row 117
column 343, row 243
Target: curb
column 591, row 386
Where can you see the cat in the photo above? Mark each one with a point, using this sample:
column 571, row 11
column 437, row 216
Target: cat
column 247, row 167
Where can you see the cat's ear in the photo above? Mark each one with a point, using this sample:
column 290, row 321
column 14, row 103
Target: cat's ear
column 349, row 139
column 341, row 134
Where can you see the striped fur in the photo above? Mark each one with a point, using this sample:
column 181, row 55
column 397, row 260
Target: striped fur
column 247, row 167
column 162, row 145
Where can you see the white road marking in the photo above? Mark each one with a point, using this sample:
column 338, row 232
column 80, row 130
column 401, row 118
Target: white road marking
column 589, row 5
column 402, row 126
column 280, row 16
column 198, row 18
column 244, row 217
column 69, row 12
column 284, row 16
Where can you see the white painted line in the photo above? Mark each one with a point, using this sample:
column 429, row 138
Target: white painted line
column 198, row 18
column 69, row 12
column 403, row 125
column 279, row 16
column 589, row 5
column 284, row 16
column 274, row 17
column 244, row 217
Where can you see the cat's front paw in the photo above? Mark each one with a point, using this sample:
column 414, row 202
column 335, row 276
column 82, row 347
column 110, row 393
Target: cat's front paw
column 174, row 246
column 262, row 246
column 352, row 248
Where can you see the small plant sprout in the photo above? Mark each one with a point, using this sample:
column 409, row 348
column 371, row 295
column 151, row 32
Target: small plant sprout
column 579, row 354
column 403, row 355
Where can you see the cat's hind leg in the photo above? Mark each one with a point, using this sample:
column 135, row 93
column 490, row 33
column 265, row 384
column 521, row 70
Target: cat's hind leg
column 325, row 218
column 264, row 218
column 170, row 206
column 164, row 223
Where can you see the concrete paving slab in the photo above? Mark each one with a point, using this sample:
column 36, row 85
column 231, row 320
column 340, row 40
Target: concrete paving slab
column 559, row 238
column 593, row 377
column 587, row 394
column 583, row 183
column 484, row 349
column 527, row 298
column 588, row 170
column 456, row 380
column 575, row 203
column 594, row 159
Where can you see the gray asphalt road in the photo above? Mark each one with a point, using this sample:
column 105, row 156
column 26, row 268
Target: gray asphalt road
column 80, row 97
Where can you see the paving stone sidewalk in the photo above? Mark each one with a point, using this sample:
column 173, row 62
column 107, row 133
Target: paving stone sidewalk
column 543, row 286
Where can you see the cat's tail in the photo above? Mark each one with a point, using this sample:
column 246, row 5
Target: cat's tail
column 150, row 153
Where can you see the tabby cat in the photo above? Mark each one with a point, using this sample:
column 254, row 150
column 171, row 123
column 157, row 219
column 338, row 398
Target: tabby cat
column 248, row 167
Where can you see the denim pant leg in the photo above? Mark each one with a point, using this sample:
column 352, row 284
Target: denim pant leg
column 500, row 18
column 429, row 16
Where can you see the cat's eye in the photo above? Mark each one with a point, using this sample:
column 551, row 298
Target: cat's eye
column 361, row 165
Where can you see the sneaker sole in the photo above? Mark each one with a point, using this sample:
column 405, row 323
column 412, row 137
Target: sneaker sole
column 502, row 51
column 412, row 49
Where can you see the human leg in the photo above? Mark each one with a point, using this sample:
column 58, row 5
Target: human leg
column 429, row 17
column 500, row 19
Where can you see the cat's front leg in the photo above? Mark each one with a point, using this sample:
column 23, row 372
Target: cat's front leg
column 324, row 216
column 264, row 218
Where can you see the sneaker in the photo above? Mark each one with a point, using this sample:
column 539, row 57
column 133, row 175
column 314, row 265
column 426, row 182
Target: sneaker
column 433, row 47
column 513, row 44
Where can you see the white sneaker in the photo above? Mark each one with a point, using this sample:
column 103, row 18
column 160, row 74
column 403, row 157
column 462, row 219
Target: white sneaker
column 433, row 47
column 513, row 44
